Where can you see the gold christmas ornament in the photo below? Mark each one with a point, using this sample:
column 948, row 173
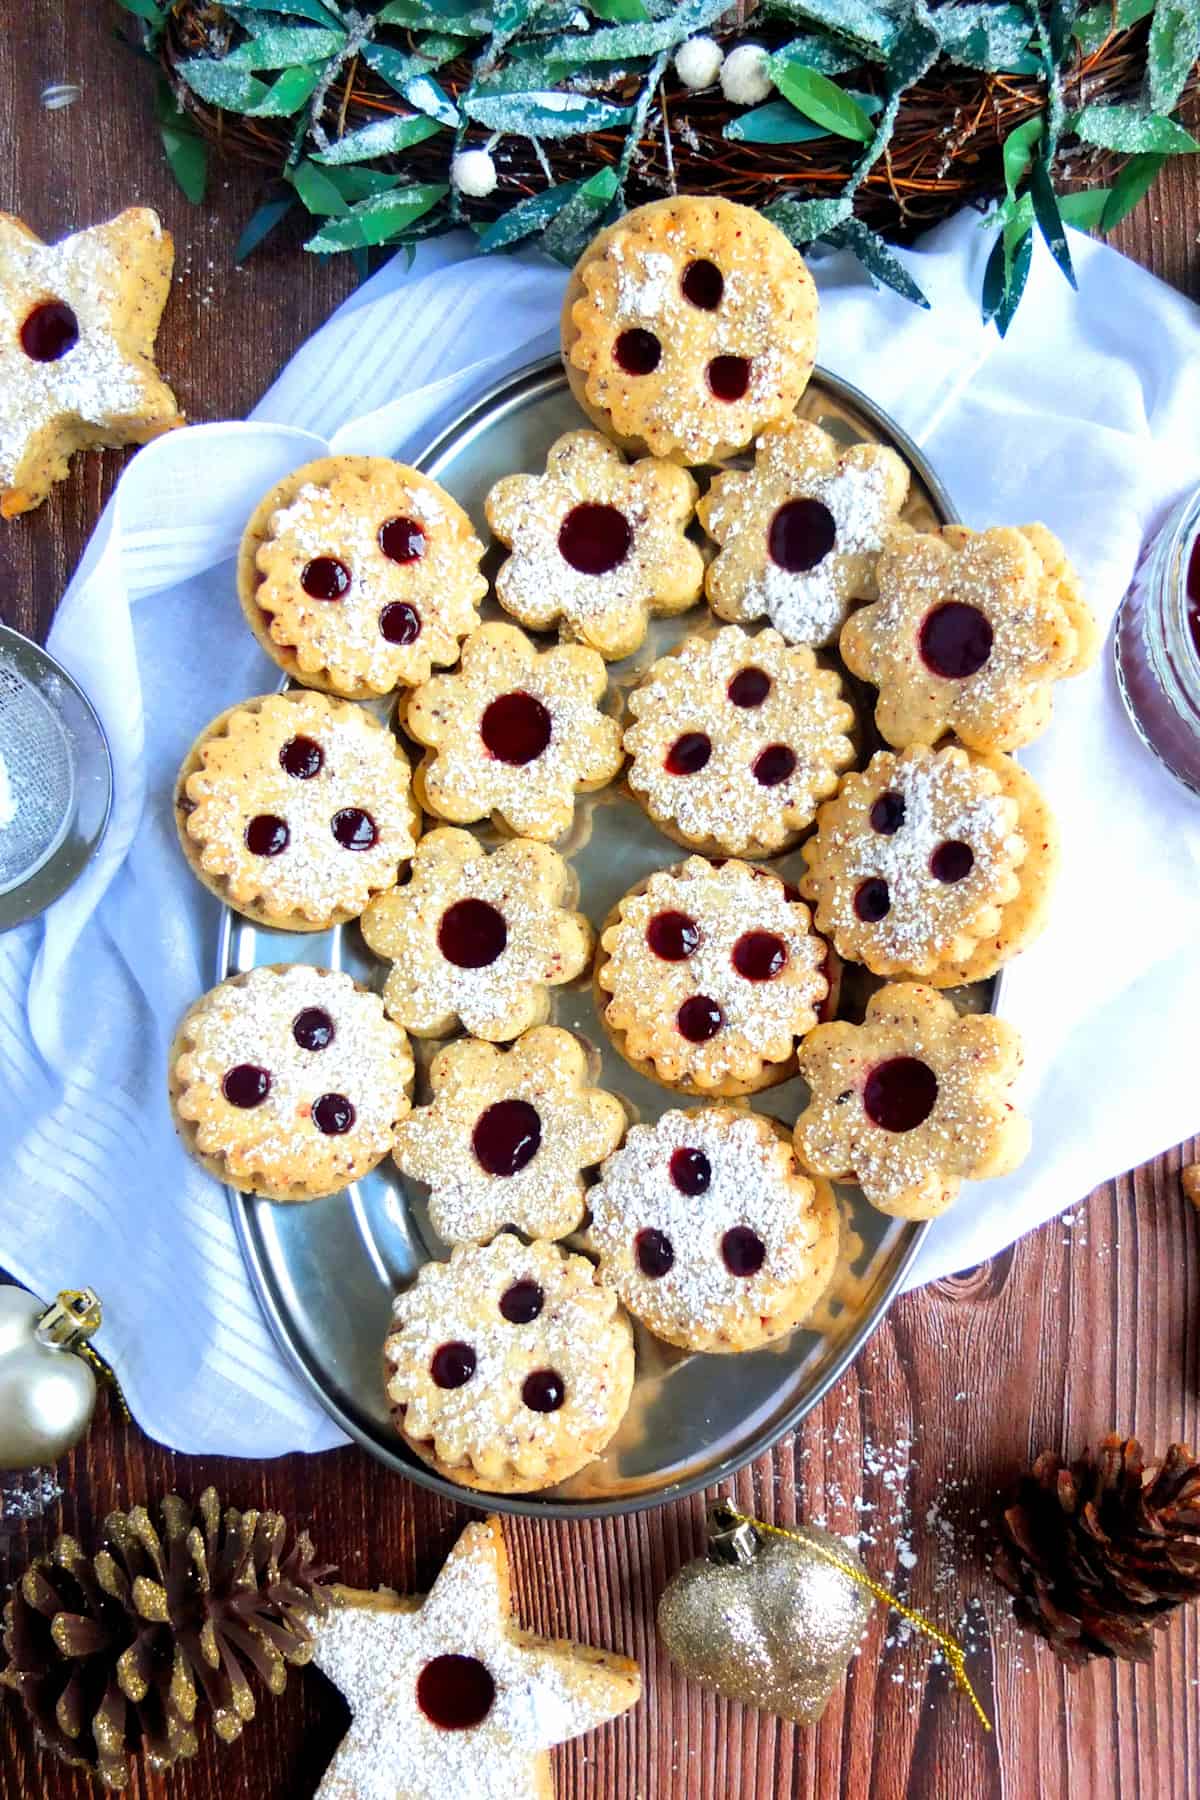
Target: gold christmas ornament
column 47, row 1381
column 772, row 1617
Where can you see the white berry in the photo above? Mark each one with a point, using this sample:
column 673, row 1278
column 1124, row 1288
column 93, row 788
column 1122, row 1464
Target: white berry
column 474, row 173
column 746, row 75
column 698, row 62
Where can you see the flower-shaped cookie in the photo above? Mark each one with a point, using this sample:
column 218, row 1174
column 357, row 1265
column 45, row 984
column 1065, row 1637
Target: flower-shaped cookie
column 510, row 1366
column 688, row 326
column 288, row 1081
column 514, row 732
column 357, row 575
column 295, row 809
column 912, row 1102
column 507, row 1135
column 912, row 864
column 597, row 543
column 801, row 531
column 713, row 974
column 709, row 1231
column 969, row 634
column 477, row 939
column 735, row 740
column 77, row 327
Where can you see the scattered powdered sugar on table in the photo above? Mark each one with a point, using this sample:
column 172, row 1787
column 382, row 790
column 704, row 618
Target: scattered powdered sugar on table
column 25, row 1497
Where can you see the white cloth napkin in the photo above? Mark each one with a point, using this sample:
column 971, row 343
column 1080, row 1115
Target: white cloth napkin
column 1084, row 418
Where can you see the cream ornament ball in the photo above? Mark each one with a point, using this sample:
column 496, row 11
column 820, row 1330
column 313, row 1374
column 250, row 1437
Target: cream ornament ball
column 698, row 62
column 473, row 173
column 47, row 1390
column 746, row 75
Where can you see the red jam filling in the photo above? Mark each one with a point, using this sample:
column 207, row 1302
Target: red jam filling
column 654, row 1252
column 773, row 765
column 333, row 1115
column 743, row 1250
column 899, row 1094
column 516, row 728
column 246, row 1085
column 594, row 538
column 956, row 640
column 638, row 352
column 872, row 901
column 699, row 1019
column 688, row 754
column 801, row 535
column 302, row 757
column 521, row 1303
column 400, row 623
column 452, row 1365
column 703, row 284
column 690, row 1171
column 472, row 934
column 325, row 578
column 455, row 1692
column 673, row 936
column 313, row 1028
column 952, row 861
column 267, row 835
column 887, row 814
column 506, row 1137
column 1193, row 594
column 749, row 687
column 353, row 828
column 544, row 1390
column 759, row 955
column 401, row 540
column 728, row 377
column 49, row 331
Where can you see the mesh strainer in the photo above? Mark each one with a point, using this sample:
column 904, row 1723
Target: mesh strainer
column 55, row 779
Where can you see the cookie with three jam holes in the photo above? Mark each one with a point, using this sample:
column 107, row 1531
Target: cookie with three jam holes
column 295, row 809
column 289, row 1081
column 708, row 975
column 514, row 733
column 912, row 1102
column 735, row 740
column 507, row 1135
column 357, row 575
column 969, row 634
column 922, row 864
column 448, row 1696
column 598, row 544
column 477, row 939
column 688, row 326
column 801, row 531
column 711, row 1233
column 77, row 326
column 509, row 1367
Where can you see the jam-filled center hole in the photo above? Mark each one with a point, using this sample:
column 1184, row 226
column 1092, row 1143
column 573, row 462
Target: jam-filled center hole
column 594, row 538
column 899, row 1094
column 728, row 377
column 638, row 352
column 324, row 578
column 956, row 640
column 673, row 936
column 455, row 1692
column 516, row 728
column 471, row 934
column 49, row 331
column 689, row 753
column 507, row 1137
column 401, row 540
column 801, row 534
column 703, row 285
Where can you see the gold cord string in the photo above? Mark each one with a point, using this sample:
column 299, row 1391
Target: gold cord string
column 950, row 1647
column 107, row 1376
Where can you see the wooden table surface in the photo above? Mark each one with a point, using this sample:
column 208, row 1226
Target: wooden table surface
column 1081, row 1327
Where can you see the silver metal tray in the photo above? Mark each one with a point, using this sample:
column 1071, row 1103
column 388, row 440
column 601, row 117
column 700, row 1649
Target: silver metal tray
column 326, row 1271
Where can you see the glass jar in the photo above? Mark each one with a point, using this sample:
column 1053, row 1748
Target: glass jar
column 1158, row 644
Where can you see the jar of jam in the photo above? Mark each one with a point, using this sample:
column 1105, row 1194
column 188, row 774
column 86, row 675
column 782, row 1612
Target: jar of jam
column 1158, row 644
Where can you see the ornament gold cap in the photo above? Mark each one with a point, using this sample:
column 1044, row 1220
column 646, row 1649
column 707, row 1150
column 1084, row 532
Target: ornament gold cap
column 71, row 1319
column 731, row 1537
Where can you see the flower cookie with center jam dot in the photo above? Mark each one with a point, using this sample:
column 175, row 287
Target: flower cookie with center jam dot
column 510, row 1366
column 514, row 732
column 801, row 531
column 914, row 864
column 735, row 740
column 507, row 1135
column 477, row 939
column 288, row 1081
column 711, row 975
column 295, row 809
column 357, row 574
column 969, row 634
column 688, row 326
column 912, row 1102
column 709, row 1231
column 597, row 543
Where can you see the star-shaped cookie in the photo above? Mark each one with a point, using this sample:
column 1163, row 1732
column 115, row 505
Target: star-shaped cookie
column 448, row 1696
column 77, row 327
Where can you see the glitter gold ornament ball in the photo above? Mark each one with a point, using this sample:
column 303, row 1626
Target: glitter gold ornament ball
column 763, row 1620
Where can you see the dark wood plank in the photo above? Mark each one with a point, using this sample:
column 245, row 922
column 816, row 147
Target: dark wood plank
column 1079, row 1328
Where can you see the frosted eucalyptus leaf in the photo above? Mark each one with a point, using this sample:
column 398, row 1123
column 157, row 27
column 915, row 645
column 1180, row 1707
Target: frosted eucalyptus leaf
column 286, row 95
column 547, row 114
column 822, row 53
column 619, row 12
column 382, row 137
column 873, row 28
column 778, row 122
column 428, row 97
column 1128, row 128
column 1174, row 48
column 234, row 89
column 881, row 264
column 261, row 223
column 186, row 151
column 526, row 217
column 647, row 39
column 292, row 9
column 802, row 221
column 1085, row 209
column 1133, row 182
column 379, row 219
column 566, row 236
column 991, row 37
column 398, row 67
column 1046, row 212
column 1017, row 153
column 283, row 46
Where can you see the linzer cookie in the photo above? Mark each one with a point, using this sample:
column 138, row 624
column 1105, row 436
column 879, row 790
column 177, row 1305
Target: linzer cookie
column 688, row 326
column 598, row 544
column 295, row 809
column 801, row 531
column 709, row 1231
column 510, row 1366
column 735, row 740
column 357, row 575
column 515, row 733
column 475, row 939
column 448, row 1697
column 507, row 1136
column 77, row 326
column 969, row 634
column 289, row 1081
column 912, row 1102
column 708, row 976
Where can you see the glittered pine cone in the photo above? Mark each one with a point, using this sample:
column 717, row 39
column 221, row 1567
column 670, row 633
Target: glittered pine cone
column 117, row 1654
column 1097, row 1553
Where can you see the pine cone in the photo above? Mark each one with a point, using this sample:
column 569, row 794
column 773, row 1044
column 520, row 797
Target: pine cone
column 1096, row 1555
column 110, row 1654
